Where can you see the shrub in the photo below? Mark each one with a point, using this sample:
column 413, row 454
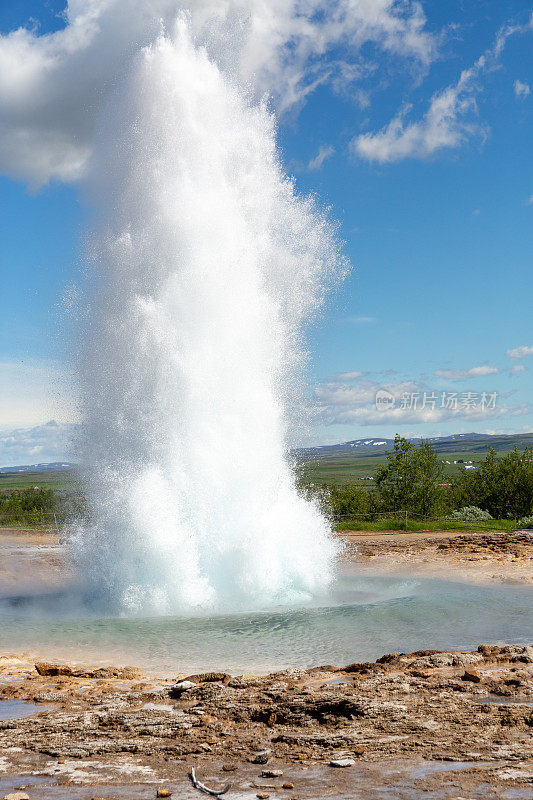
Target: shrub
column 342, row 501
column 526, row 522
column 501, row 484
column 469, row 514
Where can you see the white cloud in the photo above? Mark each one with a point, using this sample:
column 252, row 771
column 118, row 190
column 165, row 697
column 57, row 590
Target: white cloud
column 517, row 368
column 400, row 416
column 462, row 374
column 37, row 445
column 414, row 403
column 341, row 398
column 441, row 127
column 521, row 89
column 350, row 376
column 476, row 372
column 324, row 153
column 334, row 395
column 54, row 87
column 520, row 352
column 33, row 391
column 362, row 98
column 448, row 122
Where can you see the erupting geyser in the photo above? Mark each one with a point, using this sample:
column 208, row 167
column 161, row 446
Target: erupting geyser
column 207, row 265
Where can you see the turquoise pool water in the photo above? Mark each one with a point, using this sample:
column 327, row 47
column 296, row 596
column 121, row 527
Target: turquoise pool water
column 362, row 619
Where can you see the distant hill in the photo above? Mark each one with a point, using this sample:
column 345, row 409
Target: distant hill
column 365, row 447
column 56, row 466
column 455, row 443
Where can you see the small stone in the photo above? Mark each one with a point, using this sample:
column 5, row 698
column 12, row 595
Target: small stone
column 261, row 757
column 164, row 793
column 271, row 773
column 17, row 796
column 358, row 750
column 471, row 675
column 262, row 795
column 342, row 762
column 288, row 785
column 62, row 761
column 421, row 673
column 209, row 677
column 182, row 686
column 229, row 767
column 46, row 669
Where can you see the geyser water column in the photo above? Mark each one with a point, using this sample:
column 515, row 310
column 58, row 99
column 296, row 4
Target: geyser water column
column 206, row 266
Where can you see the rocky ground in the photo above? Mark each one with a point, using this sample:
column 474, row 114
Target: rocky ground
column 426, row 724
column 473, row 557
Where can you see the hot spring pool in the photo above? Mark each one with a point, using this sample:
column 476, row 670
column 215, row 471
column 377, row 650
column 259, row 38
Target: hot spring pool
column 364, row 618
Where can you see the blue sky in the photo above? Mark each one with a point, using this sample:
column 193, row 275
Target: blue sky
column 436, row 213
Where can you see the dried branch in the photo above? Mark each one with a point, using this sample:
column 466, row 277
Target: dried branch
column 205, row 789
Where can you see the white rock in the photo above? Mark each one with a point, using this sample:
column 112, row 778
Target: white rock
column 342, row 762
column 182, row 686
column 16, row 796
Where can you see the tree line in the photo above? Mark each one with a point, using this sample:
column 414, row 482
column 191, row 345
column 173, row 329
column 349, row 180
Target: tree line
column 38, row 506
column 413, row 480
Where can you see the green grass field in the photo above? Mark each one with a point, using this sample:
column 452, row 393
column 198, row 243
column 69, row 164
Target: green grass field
column 60, row 481
column 345, row 469
column 340, row 470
